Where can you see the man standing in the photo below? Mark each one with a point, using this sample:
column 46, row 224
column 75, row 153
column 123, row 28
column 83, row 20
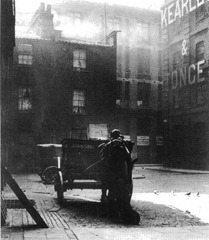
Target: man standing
column 120, row 181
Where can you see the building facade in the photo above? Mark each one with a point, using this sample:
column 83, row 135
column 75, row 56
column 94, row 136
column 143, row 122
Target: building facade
column 7, row 45
column 139, row 85
column 185, row 57
column 61, row 88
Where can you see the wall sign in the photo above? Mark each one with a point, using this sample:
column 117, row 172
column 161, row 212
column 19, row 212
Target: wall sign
column 143, row 141
column 184, row 48
column 178, row 9
column 187, row 75
column 98, row 131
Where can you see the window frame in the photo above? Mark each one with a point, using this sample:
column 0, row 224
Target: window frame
column 143, row 61
column 199, row 56
column 76, row 18
column 200, row 13
column 79, row 109
column 24, row 101
column 25, row 54
column 113, row 24
column 79, row 59
column 140, row 28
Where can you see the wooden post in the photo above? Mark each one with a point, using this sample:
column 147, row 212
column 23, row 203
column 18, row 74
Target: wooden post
column 22, row 197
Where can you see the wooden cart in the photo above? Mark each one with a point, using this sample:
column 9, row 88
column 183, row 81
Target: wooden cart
column 80, row 167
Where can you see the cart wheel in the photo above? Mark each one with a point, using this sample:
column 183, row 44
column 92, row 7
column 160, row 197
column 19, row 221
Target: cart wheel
column 60, row 189
column 49, row 175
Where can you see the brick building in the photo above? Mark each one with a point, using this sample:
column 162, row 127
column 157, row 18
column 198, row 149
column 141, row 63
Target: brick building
column 60, row 87
column 7, row 40
column 185, row 40
column 138, row 97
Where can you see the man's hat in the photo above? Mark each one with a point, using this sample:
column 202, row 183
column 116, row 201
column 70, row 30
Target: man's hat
column 116, row 133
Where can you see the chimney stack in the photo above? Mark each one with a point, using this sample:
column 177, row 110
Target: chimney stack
column 42, row 22
column 42, row 7
column 48, row 9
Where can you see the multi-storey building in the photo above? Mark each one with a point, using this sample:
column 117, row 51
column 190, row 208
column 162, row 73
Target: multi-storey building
column 60, row 89
column 185, row 40
column 7, row 40
column 138, row 97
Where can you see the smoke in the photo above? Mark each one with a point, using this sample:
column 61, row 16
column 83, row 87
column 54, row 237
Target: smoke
column 85, row 29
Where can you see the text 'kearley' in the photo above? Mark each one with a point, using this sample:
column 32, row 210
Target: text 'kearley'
column 178, row 9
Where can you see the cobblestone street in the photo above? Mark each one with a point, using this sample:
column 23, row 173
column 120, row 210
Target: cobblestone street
column 82, row 210
column 82, row 207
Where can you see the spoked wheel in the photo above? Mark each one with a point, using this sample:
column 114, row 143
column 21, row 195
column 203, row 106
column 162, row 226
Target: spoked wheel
column 49, row 175
column 60, row 188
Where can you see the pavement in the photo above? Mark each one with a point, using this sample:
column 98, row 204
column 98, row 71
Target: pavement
column 20, row 225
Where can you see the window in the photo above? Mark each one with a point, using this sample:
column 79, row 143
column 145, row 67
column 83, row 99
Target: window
column 79, row 133
column 175, row 100
column 113, row 24
column 25, row 99
column 75, row 18
column 142, row 30
column 201, row 12
column 127, row 93
column 200, row 97
column 143, row 64
column 127, row 70
column 25, row 54
column 13, row 7
column 178, row 140
column 176, row 60
column 118, row 93
column 143, row 95
column 79, row 99
column 119, row 61
column 200, row 137
column 200, row 49
column 79, row 59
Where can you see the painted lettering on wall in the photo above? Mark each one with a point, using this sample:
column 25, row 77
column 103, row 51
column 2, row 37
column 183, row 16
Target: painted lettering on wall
column 187, row 75
column 178, row 9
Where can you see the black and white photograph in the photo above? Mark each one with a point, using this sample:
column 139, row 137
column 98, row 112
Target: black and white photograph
column 104, row 119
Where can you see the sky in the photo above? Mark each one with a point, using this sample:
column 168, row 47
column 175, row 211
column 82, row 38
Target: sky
column 30, row 5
